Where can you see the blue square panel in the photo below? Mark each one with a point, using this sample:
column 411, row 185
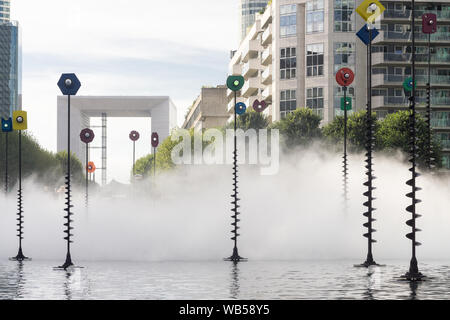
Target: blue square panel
column 364, row 34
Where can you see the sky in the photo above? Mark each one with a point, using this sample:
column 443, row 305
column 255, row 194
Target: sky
column 121, row 47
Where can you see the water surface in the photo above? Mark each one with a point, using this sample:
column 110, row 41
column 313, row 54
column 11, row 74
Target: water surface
column 220, row 280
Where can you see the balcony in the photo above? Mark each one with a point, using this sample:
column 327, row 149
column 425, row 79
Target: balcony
column 395, row 80
column 403, row 102
column 406, row 15
column 250, row 50
column 250, row 87
column 396, row 37
column 267, row 93
column 250, row 69
column 236, row 69
column 267, row 36
column 266, row 58
column 266, row 17
column 267, row 75
column 405, row 58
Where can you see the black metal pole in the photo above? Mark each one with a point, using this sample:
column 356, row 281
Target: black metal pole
column 6, row 162
column 235, row 256
column 369, row 148
column 87, row 175
column 345, row 145
column 20, row 256
column 429, row 159
column 134, row 157
column 68, row 226
column 413, row 274
column 154, row 162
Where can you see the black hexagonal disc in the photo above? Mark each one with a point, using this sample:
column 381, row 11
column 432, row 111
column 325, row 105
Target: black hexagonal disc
column 69, row 84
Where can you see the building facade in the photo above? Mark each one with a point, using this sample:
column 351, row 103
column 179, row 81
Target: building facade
column 161, row 110
column 10, row 63
column 292, row 52
column 248, row 9
column 392, row 64
column 5, row 9
column 209, row 110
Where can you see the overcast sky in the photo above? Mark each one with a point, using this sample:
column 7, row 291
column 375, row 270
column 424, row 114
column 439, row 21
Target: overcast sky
column 121, row 47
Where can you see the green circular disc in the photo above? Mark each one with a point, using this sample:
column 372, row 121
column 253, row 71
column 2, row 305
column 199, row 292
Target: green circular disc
column 408, row 84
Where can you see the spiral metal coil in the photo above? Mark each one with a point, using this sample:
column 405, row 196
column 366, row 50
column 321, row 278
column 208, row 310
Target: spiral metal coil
column 370, row 141
column 235, row 201
column 19, row 215
column 413, row 273
column 68, row 215
column 68, row 226
column 430, row 156
column 345, row 177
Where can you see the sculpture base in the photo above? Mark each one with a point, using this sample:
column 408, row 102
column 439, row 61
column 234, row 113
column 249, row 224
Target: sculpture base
column 68, row 264
column 413, row 276
column 235, row 257
column 20, row 257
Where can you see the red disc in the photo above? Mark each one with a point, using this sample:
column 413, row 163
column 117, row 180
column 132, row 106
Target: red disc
column 345, row 77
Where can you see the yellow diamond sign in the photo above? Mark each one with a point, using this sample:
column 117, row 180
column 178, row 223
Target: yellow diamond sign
column 370, row 10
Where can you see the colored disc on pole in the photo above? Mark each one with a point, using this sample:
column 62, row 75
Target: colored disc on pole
column 69, row 84
column 345, row 77
column 429, row 23
column 134, row 135
column 235, row 83
column 408, row 84
column 19, row 120
column 241, row 108
column 259, row 106
column 346, row 104
column 87, row 135
column 91, row 167
column 155, row 140
column 364, row 34
column 370, row 10
column 7, row 125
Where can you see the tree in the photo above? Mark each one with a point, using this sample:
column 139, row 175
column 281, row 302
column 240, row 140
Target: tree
column 250, row 120
column 393, row 134
column 356, row 130
column 76, row 168
column 144, row 165
column 46, row 166
column 300, row 127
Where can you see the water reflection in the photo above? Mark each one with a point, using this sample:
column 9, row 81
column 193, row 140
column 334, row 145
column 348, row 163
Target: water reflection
column 413, row 285
column 234, row 286
column 12, row 281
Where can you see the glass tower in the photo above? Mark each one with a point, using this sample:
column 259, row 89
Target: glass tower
column 248, row 9
column 4, row 10
column 10, row 62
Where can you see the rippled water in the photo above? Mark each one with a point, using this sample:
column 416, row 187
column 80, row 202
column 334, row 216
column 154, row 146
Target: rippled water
column 220, row 280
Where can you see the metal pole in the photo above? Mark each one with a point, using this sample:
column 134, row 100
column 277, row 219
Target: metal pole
column 345, row 144
column 428, row 112
column 413, row 273
column 134, row 157
column 68, row 261
column 6, row 162
column 154, row 162
column 87, row 175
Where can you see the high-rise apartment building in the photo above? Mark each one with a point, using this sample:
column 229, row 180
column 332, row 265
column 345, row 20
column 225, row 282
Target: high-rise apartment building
column 392, row 64
column 248, row 9
column 293, row 50
column 10, row 63
column 4, row 10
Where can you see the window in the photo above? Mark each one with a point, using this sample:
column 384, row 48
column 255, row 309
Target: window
column 288, row 20
column 288, row 63
column 314, row 16
column 344, row 17
column 288, row 102
column 344, row 55
column 314, row 100
column 314, row 60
